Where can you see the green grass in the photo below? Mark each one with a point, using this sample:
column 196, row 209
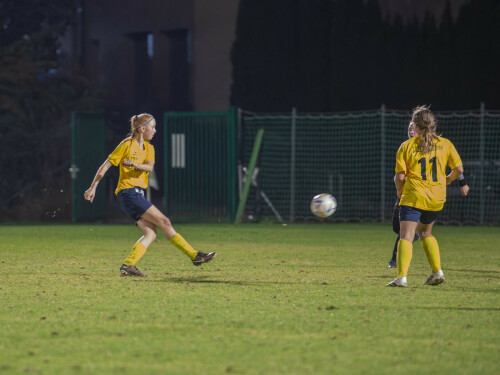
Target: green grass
column 296, row 299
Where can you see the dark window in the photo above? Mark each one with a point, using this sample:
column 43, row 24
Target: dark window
column 143, row 54
column 179, row 61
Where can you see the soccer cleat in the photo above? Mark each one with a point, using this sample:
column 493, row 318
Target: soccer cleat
column 203, row 258
column 417, row 236
column 435, row 278
column 392, row 264
column 398, row 281
column 130, row 271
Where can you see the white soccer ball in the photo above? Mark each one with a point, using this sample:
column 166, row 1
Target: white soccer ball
column 323, row 205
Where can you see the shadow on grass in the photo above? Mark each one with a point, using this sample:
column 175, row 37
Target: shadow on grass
column 379, row 276
column 207, row 280
column 469, row 270
column 485, row 274
column 460, row 308
column 457, row 288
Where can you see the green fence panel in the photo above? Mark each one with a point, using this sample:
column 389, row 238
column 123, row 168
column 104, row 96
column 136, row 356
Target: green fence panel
column 88, row 136
column 352, row 156
column 200, row 166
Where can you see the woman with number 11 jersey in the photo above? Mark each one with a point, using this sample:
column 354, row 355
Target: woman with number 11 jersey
column 421, row 182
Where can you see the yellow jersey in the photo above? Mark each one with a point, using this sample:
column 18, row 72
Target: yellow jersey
column 130, row 176
column 425, row 181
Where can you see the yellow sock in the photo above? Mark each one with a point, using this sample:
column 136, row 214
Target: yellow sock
column 137, row 252
column 179, row 242
column 405, row 250
column 431, row 249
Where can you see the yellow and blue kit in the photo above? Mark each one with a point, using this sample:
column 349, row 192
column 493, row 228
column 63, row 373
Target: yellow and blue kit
column 132, row 181
column 131, row 177
column 425, row 181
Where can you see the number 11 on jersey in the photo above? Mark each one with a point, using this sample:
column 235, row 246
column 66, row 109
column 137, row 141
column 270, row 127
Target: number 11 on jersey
column 423, row 168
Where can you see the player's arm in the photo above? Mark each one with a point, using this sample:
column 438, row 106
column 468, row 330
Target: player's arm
column 400, row 170
column 90, row 193
column 455, row 172
column 399, row 181
column 455, row 163
column 146, row 167
column 464, row 188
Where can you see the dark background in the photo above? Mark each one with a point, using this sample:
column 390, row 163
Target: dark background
column 315, row 55
column 323, row 55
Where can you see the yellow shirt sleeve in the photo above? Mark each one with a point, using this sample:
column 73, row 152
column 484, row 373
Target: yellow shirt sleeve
column 453, row 157
column 119, row 153
column 400, row 159
column 151, row 153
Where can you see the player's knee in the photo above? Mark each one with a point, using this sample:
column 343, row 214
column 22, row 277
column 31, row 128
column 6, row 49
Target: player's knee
column 406, row 235
column 424, row 234
column 165, row 222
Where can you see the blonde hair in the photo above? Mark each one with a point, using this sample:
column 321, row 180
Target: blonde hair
column 424, row 119
column 137, row 122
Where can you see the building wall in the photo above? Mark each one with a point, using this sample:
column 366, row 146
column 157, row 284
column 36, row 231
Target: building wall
column 108, row 35
column 213, row 36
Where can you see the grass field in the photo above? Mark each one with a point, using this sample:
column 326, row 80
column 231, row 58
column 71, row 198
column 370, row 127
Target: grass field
column 296, row 299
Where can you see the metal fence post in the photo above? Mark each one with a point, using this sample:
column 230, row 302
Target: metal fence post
column 292, row 165
column 481, row 157
column 232, row 118
column 382, row 163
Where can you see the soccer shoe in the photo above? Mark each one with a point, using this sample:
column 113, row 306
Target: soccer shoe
column 130, row 271
column 435, row 278
column 398, row 281
column 203, row 258
column 392, row 264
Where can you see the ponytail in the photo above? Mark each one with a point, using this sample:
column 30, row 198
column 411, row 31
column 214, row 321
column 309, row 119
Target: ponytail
column 427, row 139
column 424, row 120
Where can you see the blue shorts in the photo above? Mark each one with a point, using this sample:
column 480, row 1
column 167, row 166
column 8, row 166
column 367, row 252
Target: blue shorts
column 407, row 213
column 133, row 202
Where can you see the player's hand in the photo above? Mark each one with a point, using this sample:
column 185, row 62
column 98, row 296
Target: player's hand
column 89, row 195
column 465, row 190
column 128, row 163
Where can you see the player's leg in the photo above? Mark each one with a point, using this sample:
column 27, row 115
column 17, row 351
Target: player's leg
column 393, row 261
column 405, row 246
column 395, row 228
column 395, row 218
column 408, row 219
column 431, row 248
column 155, row 216
column 149, row 235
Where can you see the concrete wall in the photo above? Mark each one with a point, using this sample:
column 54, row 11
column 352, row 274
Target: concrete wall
column 213, row 36
column 102, row 45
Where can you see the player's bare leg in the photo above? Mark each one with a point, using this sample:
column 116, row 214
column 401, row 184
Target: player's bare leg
column 155, row 216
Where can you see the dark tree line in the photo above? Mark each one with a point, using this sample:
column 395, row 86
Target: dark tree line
column 335, row 55
column 37, row 97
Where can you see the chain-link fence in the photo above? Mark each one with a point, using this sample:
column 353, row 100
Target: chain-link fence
column 352, row 156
